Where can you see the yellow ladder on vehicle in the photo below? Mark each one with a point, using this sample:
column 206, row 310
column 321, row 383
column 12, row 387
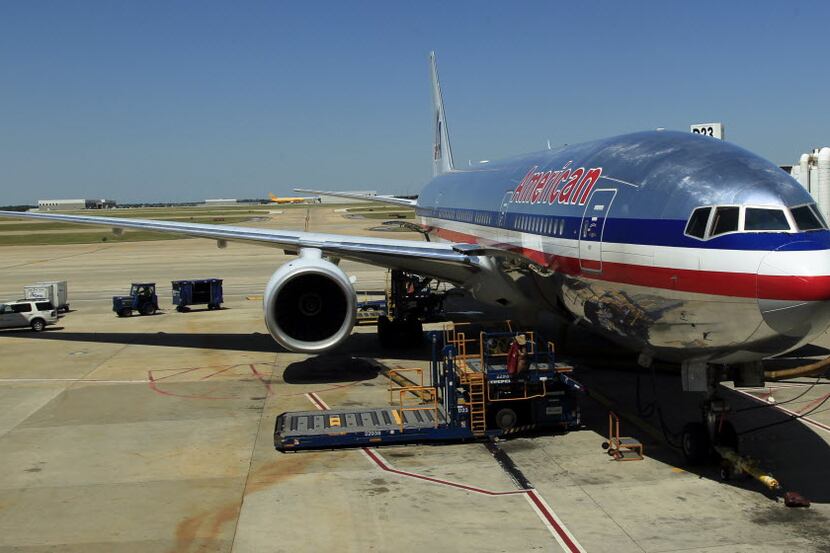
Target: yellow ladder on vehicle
column 475, row 387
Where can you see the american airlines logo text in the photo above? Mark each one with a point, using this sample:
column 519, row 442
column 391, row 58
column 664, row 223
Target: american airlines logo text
column 565, row 186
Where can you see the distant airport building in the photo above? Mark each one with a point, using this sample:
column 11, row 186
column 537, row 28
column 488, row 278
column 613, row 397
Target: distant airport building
column 338, row 200
column 813, row 172
column 69, row 205
column 221, row 201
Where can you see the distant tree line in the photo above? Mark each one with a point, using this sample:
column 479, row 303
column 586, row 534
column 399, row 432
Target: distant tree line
column 17, row 207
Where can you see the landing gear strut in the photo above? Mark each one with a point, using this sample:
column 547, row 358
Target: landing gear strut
column 411, row 300
column 699, row 440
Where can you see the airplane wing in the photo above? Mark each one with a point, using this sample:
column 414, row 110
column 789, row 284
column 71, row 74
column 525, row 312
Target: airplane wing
column 355, row 196
column 441, row 260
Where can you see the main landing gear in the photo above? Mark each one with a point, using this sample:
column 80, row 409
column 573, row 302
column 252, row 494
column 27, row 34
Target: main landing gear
column 411, row 300
column 400, row 332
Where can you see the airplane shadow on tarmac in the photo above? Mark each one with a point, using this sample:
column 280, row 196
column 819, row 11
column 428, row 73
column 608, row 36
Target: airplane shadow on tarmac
column 330, row 369
column 795, row 454
column 359, row 344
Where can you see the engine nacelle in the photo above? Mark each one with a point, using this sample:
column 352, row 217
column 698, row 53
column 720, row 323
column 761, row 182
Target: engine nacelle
column 310, row 304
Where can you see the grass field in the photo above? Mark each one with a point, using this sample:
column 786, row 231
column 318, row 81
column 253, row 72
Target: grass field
column 35, row 239
column 54, row 225
column 16, row 232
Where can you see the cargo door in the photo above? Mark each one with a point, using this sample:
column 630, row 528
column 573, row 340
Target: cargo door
column 591, row 229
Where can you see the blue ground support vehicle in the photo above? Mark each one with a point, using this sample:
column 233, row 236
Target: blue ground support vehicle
column 206, row 291
column 142, row 298
column 472, row 396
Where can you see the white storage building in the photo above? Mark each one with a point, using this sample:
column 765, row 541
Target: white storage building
column 69, row 205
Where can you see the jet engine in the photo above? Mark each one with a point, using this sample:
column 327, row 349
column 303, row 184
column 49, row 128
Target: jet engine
column 310, row 304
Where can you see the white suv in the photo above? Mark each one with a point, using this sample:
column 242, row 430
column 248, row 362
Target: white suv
column 36, row 314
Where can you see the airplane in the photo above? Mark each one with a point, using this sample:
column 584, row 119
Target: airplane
column 292, row 200
column 680, row 247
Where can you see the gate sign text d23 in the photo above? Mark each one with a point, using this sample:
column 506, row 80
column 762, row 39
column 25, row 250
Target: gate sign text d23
column 708, row 129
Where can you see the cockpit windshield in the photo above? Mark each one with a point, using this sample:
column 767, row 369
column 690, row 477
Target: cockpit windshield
column 807, row 217
column 726, row 220
column 707, row 222
column 758, row 218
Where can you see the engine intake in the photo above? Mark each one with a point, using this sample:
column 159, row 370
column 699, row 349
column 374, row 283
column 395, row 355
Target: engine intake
column 310, row 304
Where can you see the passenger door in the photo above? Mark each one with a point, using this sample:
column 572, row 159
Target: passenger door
column 20, row 315
column 591, row 229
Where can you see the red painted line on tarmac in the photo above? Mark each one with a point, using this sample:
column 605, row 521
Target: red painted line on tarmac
column 813, row 403
column 552, row 522
column 153, row 380
column 337, row 387
column 153, row 386
column 261, row 378
column 183, row 371
column 315, row 399
column 566, row 540
column 381, row 463
column 805, row 420
column 220, row 371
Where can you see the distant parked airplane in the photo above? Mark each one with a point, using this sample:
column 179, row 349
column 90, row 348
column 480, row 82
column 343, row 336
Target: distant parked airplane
column 294, row 200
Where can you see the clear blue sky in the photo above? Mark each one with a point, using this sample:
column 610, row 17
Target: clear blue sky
column 152, row 101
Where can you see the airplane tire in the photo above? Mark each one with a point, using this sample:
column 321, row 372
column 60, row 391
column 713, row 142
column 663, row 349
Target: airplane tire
column 385, row 332
column 414, row 332
column 400, row 333
column 727, row 436
column 695, row 443
column 506, row 418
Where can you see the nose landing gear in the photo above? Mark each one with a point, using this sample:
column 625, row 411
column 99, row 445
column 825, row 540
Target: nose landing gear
column 701, row 441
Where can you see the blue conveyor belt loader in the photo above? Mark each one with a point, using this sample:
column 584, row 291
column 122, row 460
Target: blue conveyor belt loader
column 472, row 395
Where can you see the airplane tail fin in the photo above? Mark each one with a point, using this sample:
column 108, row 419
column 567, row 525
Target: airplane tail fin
column 273, row 198
column 441, row 150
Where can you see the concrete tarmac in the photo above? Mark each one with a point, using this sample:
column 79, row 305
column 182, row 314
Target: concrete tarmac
column 155, row 434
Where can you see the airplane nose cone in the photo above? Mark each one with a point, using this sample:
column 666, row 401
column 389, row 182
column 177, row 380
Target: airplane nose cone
column 794, row 291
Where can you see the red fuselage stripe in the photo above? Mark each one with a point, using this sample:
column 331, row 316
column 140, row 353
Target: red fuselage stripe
column 741, row 285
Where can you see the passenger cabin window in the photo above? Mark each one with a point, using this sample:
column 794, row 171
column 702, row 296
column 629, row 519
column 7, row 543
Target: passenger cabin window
column 726, row 220
column 806, row 218
column 697, row 222
column 757, row 219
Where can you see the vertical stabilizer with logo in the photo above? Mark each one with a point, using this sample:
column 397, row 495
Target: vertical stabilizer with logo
column 441, row 151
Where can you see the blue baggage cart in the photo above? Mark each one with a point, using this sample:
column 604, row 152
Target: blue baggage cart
column 207, row 291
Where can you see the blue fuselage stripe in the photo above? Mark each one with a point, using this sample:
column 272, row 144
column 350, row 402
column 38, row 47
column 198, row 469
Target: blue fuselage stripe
column 647, row 232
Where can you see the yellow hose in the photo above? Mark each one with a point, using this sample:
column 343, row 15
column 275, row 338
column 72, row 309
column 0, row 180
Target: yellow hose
column 748, row 466
column 804, row 370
